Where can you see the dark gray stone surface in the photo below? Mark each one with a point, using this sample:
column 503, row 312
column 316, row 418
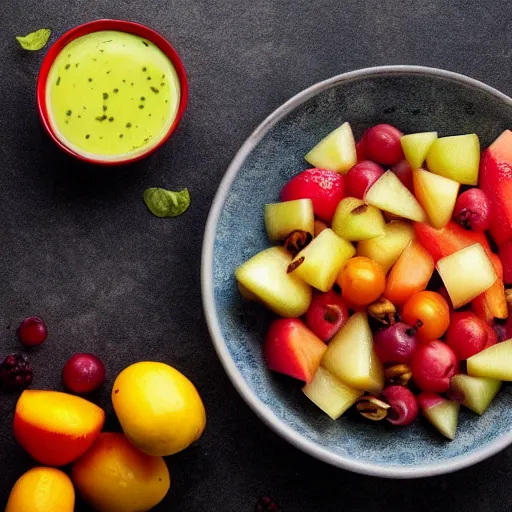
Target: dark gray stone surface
column 79, row 248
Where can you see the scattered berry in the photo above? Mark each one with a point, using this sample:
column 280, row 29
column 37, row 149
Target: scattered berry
column 83, row 373
column 266, row 504
column 32, row 331
column 15, row 372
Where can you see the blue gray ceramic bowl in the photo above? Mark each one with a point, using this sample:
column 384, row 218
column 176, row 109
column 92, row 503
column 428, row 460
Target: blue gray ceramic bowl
column 413, row 99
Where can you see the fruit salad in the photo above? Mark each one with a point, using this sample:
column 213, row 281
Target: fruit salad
column 386, row 274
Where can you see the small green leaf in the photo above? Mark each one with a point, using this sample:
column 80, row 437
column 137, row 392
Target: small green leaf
column 166, row 203
column 35, row 40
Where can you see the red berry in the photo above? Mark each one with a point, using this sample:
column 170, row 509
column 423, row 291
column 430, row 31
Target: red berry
column 15, row 373
column 404, row 172
column 396, row 343
column 383, row 144
column 266, row 504
column 83, row 373
column 361, row 150
column 325, row 188
column 472, row 210
column 32, row 331
column 467, row 334
column 326, row 314
column 404, row 407
column 361, row 177
column 433, row 365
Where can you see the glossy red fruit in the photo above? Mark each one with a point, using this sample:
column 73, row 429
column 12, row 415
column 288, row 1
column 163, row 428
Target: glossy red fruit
column 404, row 408
column 383, row 144
column 472, row 210
column 404, row 172
column 83, row 373
column 361, row 149
column 325, row 189
column 32, row 331
column 396, row 343
column 433, row 365
column 467, row 334
column 361, row 177
column 326, row 314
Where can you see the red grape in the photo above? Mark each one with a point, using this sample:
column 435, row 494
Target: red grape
column 383, row 144
column 83, row 373
column 404, row 172
column 472, row 210
column 396, row 343
column 32, row 331
column 325, row 189
column 403, row 408
column 433, row 365
column 361, row 177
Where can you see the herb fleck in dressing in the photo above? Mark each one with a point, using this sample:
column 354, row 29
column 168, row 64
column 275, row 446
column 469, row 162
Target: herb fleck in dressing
column 92, row 74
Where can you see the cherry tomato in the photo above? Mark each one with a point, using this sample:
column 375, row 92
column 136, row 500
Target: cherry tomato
column 429, row 312
column 362, row 281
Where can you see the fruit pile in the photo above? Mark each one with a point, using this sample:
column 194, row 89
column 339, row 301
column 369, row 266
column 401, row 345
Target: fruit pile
column 389, row 295
column 160, row 412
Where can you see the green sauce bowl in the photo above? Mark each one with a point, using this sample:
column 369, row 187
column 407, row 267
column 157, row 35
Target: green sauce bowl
column 111, row 92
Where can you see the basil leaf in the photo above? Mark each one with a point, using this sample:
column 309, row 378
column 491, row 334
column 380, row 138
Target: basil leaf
column 166, row 203
column 35, row 40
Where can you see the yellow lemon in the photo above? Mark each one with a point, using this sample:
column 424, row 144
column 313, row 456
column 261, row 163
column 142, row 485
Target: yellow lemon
column 114, row 476
column 42, row 489
column 159, row 409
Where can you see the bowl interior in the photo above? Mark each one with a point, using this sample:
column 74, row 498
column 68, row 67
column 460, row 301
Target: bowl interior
column 121, row 26
column 413, row 102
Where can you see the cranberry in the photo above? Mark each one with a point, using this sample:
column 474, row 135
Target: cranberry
column 433, row 365
column 404, row 172
column 32, row 331
column 404, row 407
column 383, row 144
column 326, row 314
column 15, row 373
column 467, row 334
column 396, row 343
column 472, row 210
column 83, row 373
column 361, row 177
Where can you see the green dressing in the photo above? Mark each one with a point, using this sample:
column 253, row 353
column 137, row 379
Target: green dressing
column 112, row 95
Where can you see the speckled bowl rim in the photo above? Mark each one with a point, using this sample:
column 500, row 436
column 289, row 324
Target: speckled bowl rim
column 263, row 411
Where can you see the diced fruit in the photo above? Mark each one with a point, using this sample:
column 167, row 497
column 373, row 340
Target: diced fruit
column 329, row 394
column 452, row 238
column 83, row 373
column 159, row 409
column 416, row 146
column 246, row 294
column 492, row 303
column 403, row 406
column 351, row 356
column 362, row 281
column 429, row 313
column 319, row 227
column 42, row 489
column 443, row 414
column 281, row 219
column 396, row 343
column 114, row 464
column 355, row 220
column 292, row 349
column 456, row 157
column 403, row 171
column 325, row 188
column 467, row 334
column 494, row 362
column 265, row 276
column 410, row 274
column 386, row 249
column 472, row 210
column 466, row 274
column 327, row 314
column 56, row 428
column 390, row 194
column 322, row 260
column 437, row 195
column 433, row 364
column 496, row 182
column 336, row 152
column 361, row 177
column 383, row 144
column 476, row 393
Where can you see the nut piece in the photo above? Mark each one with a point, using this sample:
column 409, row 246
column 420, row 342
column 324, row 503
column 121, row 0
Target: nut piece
column 398, row 375
column 296, row 241
column 383, row 310
column 372, row 408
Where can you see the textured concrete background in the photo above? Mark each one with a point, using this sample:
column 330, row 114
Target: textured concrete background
column 82, row 251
